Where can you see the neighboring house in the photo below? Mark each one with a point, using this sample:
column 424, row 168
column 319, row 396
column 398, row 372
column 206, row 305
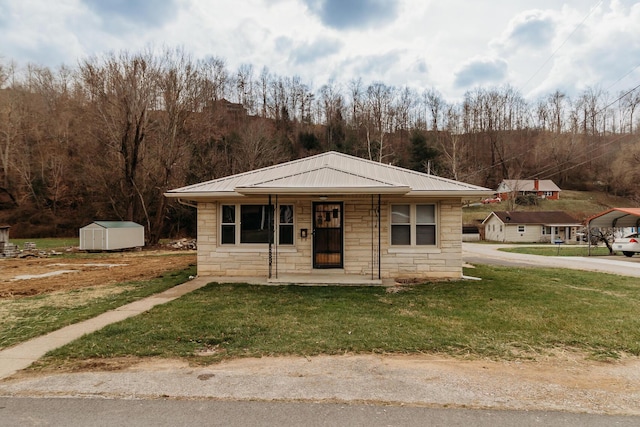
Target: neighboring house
column 530, row 227
column 330, row 215
column 542, row 188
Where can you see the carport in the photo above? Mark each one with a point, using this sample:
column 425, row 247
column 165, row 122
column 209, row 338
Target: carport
column 614, row 218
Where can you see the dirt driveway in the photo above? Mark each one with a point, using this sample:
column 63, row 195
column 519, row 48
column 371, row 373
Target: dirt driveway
column 34, row 276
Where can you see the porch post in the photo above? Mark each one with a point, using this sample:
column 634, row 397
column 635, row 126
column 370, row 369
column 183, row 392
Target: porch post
column 269, row 221
column 379, row 234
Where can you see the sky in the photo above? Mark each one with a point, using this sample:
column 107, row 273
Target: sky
column 452, row 46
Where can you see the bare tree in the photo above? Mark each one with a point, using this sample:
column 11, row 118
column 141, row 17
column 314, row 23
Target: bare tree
column 379, row 118
column 179, row 94
column 629, row 103
column 122, row 89
column 256, row 146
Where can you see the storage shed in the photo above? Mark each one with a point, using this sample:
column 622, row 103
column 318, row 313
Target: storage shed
column 111, row 235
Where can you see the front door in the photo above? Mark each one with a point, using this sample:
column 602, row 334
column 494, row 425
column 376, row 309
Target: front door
column 327, row 235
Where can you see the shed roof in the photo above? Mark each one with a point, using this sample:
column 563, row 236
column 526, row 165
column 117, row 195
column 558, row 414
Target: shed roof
column 543, row 218
column 329, row 173
column 116, row 224
column 616, row 217
column 529, row 185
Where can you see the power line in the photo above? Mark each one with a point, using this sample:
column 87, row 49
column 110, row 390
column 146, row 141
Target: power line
column 562, row 44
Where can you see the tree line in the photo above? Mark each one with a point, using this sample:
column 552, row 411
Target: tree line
column 106, row 138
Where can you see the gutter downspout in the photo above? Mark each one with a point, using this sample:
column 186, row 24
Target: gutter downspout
column 191, row 205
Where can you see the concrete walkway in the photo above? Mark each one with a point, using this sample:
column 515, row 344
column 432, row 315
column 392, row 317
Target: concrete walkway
column 21, row 356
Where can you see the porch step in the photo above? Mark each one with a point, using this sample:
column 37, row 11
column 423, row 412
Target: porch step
column 320, row 279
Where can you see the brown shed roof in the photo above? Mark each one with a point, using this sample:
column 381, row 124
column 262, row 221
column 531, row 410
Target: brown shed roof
column 544, row 218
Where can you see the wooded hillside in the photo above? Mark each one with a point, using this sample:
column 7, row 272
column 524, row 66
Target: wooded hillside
column 105, row 139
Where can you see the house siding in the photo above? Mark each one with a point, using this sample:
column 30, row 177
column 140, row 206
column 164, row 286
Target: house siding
column 532, row 233
column 444, row 260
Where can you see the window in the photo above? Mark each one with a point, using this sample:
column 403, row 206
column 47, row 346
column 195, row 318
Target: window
column 413, row 225
column 285, row 230
column 250, row 224
column 546, row 230
column 521, row 229
column 254, row 223
column 400, row 225
column 228, row 234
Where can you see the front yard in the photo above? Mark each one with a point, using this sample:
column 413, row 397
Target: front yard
column 512, row 313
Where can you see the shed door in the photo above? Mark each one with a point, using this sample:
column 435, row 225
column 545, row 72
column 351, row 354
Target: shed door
column 327, row 235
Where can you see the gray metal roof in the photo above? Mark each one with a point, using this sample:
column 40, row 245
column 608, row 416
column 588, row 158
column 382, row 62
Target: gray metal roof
column 529, row 185
column 116, row 224
column 330, row 173
column 616, row 217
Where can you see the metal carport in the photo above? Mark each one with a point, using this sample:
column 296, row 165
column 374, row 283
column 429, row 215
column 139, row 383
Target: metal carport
column 616, row 217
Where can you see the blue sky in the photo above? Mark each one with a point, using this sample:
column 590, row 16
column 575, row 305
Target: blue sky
column 537, row 46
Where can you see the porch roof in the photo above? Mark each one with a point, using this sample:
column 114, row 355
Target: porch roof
column 330, row 173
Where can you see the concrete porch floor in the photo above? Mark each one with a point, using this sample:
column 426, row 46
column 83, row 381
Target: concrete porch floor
column 316, row 278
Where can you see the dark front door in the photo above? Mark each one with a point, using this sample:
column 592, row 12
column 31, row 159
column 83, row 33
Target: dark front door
column 327, row 235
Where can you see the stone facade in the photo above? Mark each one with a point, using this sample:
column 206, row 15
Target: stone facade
column 360, row 241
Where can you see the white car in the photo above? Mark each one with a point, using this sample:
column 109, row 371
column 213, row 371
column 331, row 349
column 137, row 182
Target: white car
column 627, row 245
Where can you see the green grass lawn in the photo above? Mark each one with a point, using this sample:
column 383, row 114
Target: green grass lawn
column 511, row 313
column 558, row 251
column 25, row 318
column 55, row 243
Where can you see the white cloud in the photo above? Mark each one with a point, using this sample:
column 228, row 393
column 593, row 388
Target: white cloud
column 449, row 46
column 480, row 72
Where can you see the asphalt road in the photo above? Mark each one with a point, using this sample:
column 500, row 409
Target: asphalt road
column 25, row 412
column 482, row 253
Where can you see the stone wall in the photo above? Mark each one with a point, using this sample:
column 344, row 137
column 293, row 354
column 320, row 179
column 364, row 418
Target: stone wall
column 444, row 260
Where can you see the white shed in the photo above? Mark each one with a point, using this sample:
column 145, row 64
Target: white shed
column 111, row 235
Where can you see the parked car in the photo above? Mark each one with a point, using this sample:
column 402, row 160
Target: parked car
column 627, row 245
column 496, row 199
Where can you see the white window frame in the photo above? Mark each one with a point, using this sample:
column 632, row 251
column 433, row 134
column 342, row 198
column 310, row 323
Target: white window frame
column 238, row 226
column 522, row 228
column 413, row 224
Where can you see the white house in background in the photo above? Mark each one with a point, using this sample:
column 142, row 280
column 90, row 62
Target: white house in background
column 542, row 188
column 111, row 235
column 333, row 216
column 530, row 227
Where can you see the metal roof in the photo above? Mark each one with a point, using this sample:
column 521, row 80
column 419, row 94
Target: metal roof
column 616, row 217
column 330, row 173
column 529, row 185
column 548, row 218
column 116, row 224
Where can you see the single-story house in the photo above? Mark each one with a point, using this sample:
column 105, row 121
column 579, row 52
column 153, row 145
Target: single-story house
column 542, row 188
column 330, row 215
column 530, row 227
